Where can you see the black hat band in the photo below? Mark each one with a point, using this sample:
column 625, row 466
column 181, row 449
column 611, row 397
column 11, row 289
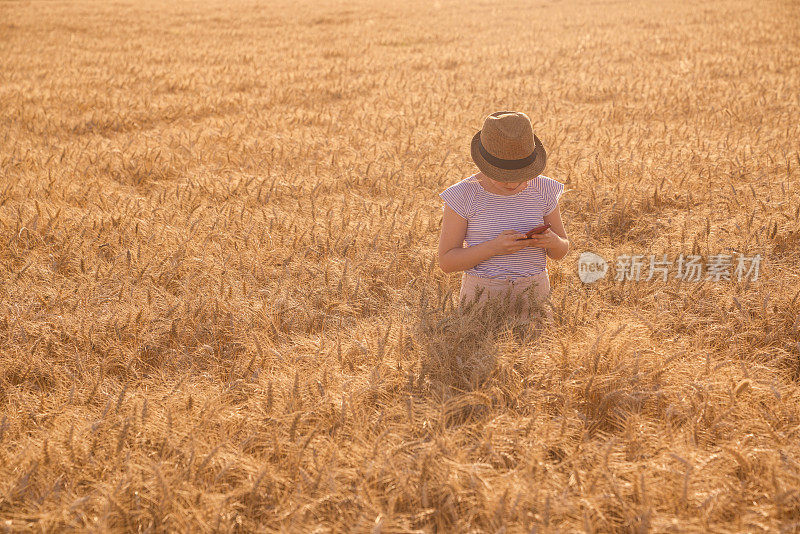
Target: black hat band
column 505, row 164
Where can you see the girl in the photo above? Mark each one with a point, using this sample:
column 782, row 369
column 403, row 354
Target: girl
column 492, row 210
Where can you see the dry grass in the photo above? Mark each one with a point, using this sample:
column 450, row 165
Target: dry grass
column 219, row 304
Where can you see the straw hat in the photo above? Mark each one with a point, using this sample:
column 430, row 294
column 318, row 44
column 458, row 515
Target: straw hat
column 506, row 149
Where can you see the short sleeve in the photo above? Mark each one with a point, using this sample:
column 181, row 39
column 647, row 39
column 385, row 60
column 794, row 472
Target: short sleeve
column 553, row 190
column 455, row 196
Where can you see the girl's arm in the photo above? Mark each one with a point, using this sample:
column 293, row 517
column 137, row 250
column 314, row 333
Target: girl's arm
column 554, row 240
column 454, row 257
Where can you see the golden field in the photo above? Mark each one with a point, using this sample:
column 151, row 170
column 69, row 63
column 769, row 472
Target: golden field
column 220, row 308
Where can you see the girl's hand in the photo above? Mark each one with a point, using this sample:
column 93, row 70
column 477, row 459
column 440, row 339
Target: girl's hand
column 508, row 242
column 545, row 240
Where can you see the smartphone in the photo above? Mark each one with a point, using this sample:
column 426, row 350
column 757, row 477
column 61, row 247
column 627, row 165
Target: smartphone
column 538, row 230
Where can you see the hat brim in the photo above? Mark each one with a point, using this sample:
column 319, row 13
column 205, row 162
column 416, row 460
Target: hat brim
column 505, row 175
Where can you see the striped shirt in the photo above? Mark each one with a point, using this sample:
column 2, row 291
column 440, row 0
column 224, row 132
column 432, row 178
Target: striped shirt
column 488, row 214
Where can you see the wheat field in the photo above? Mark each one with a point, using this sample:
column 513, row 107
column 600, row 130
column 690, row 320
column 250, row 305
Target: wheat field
column 220, row 304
